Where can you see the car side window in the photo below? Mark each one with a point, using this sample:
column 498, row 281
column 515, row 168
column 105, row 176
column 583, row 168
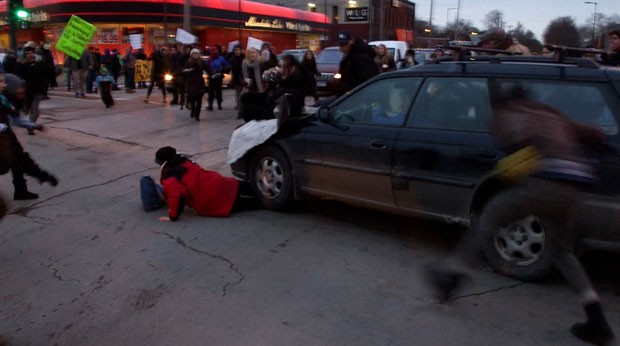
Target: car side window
column 446, row 103
column 384, row 103
column 589, row 103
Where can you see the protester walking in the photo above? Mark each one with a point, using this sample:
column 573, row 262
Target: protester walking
column 252, row 69
column 179, row 60
column 552, row 190
column 35, row 74
column 215, row 70
column 308, row 63
column 20, row 161
column 129, row 64
column 161, row 65
column 269, row 58
column 93, row 71
column 194, row 82
column 46, row 56
column 236, row 61
column 79, row 71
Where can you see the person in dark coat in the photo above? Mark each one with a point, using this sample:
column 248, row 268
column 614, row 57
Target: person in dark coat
column 21, row 163
column 194, row 82
column 308, row 63
column 357, row 64
column 161, row 65
column 48, row 58
column 179, row 60
column 185, row 183
column 236, row 61
column 269, row 58
column 35, row 74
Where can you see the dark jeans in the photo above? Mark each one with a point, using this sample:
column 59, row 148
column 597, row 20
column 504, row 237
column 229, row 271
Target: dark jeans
column 195, row 102
column 130, row 73
column 105, row 90
column 160, row 83
column 90, row 79
column 22, row 164
column 215, row 91
column 178, row 90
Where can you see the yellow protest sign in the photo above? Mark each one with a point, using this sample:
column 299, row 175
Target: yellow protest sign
column 143, row 71
column 75, row 37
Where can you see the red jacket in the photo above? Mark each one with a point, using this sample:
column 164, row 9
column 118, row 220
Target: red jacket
column 207, row 192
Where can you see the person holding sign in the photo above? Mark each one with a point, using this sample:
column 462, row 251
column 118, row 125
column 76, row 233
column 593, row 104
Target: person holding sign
column 161, row 65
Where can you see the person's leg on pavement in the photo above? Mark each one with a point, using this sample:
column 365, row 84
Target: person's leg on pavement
column 83, row 75
column 150, row 89
column 33, row 110
column 218, row 93
column 75, row 80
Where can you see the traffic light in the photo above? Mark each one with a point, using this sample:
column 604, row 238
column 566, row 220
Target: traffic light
column 17, row 10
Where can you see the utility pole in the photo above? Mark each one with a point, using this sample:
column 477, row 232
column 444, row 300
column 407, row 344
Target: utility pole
column 381, row 19
column 430, row 24
column 593, row 21
column 456, row 25
column 187, row 19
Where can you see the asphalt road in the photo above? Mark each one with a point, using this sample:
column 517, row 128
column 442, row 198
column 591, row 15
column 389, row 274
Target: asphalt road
column 84, row 265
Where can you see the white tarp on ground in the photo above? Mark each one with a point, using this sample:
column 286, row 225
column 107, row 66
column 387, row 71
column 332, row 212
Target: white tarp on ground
column 248, row 136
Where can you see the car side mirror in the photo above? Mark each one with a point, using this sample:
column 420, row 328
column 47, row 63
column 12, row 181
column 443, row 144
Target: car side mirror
column 324, row 114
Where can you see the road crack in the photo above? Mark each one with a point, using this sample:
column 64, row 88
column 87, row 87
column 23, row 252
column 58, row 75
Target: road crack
column 476, row 294
column 231, row 265
column 56, row 274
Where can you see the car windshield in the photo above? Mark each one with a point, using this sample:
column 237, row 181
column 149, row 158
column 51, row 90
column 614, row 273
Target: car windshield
column 329, row 56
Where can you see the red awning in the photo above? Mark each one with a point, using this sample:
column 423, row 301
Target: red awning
column 228, row 5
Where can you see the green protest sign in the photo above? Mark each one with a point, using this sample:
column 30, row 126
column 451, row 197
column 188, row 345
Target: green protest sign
column 75, row 37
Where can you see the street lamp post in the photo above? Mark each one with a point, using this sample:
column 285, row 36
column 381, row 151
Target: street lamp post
column 593, row 20
column 456, row 24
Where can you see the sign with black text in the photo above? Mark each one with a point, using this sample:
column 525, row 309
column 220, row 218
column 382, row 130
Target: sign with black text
column 356, row 14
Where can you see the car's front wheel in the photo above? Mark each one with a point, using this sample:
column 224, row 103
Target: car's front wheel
column 272, row 179
column 515, row 237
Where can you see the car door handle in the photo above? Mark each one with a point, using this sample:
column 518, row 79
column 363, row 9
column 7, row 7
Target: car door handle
column 378, row 145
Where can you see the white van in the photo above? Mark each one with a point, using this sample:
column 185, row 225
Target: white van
column 397, row 49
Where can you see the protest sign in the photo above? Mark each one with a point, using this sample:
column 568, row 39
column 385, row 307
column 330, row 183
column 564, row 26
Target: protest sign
column 185, row 37
column 231, row 45
column 75, row 37
column 135, row 40
column 254, row 43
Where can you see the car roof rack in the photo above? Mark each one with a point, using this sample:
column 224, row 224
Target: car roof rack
column 561, row 55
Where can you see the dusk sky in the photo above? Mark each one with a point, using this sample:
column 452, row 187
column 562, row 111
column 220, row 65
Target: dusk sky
column 535, row 15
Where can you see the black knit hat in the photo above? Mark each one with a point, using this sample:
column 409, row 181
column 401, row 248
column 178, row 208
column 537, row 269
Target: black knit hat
column 165, row 154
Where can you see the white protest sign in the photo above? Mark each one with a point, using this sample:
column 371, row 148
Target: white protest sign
column 185, row 37
column 231, row 45
column 136, row 41
column 254, row 43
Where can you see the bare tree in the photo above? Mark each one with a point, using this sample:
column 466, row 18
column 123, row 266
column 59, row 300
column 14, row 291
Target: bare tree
column 562, row 31
column 493, row 19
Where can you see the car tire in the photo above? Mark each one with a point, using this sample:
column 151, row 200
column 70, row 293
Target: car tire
column 272, row 179
column 514, row 237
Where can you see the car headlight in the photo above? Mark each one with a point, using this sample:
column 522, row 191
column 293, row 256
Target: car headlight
column 167, row 77
column 337, row 76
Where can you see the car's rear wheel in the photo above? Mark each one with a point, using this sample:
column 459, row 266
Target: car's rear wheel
column 515, row 237
column 271, row 178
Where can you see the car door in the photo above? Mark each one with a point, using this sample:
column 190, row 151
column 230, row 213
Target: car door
column 349, row 156
column 446, row 148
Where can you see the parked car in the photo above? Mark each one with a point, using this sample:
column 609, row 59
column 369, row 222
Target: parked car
column 328, row 63
column 297, row 53
column 418, row 142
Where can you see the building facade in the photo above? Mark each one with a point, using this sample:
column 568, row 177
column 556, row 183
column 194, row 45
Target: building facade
column 371, row 19
column 214, row 22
